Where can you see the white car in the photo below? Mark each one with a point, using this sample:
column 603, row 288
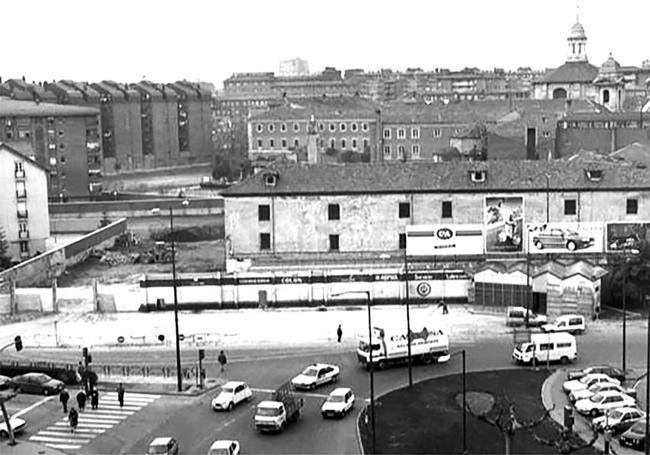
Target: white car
column 618, row 420
column 605, row 401
column 315, row 375
column 573, row 323
column 232, row 393
column 598, row 388
column 17, row 425
column 225, row 447
column 587, row 381
column 338, row 403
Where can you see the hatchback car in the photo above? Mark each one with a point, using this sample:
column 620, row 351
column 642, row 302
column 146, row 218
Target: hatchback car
column 163, row 446
column 572, row 323
column 315, row 375
column 232, row 393
column 587, row 381
column 516, row 315
column 225, row 447
column 38, row 383
column 338, row 403
column 634, row 437
column 5, row 382
column 602, row 402
column 610, row 371
column 561, row 238
column 17, row 425
column 618, row 420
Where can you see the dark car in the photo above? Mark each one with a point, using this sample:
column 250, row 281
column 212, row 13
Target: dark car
column 5, row 382
column 561, row 238
column 612, row 372
column 38, row 383
column 635, row 436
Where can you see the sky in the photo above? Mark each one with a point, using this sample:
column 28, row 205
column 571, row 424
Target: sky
column 208, row 40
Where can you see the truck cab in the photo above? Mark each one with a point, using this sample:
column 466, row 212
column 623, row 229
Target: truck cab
column 270, row 415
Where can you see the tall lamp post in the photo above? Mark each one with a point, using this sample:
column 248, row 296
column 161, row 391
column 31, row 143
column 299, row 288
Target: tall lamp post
column 179, row 376
column 371, row 367
column 408, row 319
column 647, row 382
column 462, row 353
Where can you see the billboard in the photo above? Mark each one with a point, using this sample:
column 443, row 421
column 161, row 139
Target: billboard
column 565, row 237
column 444, row 239
column 627, row 236
column 504, row 223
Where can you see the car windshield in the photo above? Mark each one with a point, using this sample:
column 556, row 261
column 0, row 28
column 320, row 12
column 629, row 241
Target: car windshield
column 268, row 412
column 311, row 371
column 597, row 398
column 336, row 399
column 158, row 449
column 39, row 377
column 586, row 379
column 227, row 390
column 615, row 414
column 570, row 232
column 638, row 427
column 364, row 346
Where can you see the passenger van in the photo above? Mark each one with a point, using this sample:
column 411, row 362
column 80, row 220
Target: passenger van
column 547, row 347
column 572, row 323
column 516, row 315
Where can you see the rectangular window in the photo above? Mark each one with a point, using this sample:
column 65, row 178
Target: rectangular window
column 437, row 132
column 263, row 212
column 386, row 133
column 386, row 151
column 354, row 144
column 333, row 212
column 265, row 241
column 402, row 241
column 284, row 143
column 401, row 133
column 271, row 143
column 296, row 142
column 400, row 151
column 259, row 143
column 24, row 246
column 632, row 206
column 415, row 133
column 344, row 144
column 334, row 242
column 569, row 206
column 404, row 210
column 415, row 150
column 21, row 190
column 446, row 209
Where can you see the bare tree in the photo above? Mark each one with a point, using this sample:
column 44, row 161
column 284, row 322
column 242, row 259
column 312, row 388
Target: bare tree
column 567, row 442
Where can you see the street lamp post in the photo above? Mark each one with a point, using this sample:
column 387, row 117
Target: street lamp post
column 371, row 368
column 463, row 354
column 646, row 444
column 408, row 320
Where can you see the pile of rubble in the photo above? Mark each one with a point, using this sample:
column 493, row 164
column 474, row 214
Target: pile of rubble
column 129, row 249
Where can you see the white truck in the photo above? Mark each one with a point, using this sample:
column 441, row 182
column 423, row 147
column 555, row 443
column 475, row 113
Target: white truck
column 282, row 409
column 546, row 347
column 429, row 344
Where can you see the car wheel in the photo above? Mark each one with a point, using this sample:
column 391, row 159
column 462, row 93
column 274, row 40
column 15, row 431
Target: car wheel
column 230, row 406
column 4, row 434
column 381, row 365
column 335, row 378
column 427, row 359
column 539, row 245
column 593, row 413
column 571, row 245
column 564, row 360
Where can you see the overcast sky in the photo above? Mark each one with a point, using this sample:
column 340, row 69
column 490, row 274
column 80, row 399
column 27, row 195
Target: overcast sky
column 126, row 40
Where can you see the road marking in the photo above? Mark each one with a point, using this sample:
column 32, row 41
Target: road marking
column 35, row 405
column 50, row 439
column 64, row 446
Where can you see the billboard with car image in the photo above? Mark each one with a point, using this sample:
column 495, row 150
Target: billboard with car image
column 565, row 237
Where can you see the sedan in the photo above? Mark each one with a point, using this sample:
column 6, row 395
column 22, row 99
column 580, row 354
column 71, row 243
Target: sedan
column 604, row 401
column 597, row 388
column 586, row 382
column 610, row 371
column 338, row 403
column 225, row 447
column 232, row 393
column 315, row 375
column 618, row 420
column 635, row 436
column 38, row 383
column 17, row 425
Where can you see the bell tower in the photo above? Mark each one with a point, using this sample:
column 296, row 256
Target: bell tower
column 577, row 43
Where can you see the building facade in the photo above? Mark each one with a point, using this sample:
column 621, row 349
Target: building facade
column 294, row 67
column 24, row 218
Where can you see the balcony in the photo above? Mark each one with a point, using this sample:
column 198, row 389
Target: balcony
column 23, row 235
column 19, row 173
column 21, row 194
column 22, row 214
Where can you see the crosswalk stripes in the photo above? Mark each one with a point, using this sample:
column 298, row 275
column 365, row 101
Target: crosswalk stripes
column 92, row 422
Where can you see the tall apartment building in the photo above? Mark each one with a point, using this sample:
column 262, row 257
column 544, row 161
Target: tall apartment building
column 24, row 218
column 64, row 139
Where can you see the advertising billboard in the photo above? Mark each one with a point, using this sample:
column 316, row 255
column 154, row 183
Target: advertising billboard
column 444, row 239
column 504, row 223
column 627, row 236
column 565, row 237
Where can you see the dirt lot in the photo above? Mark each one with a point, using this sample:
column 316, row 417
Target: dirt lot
column 191, row 257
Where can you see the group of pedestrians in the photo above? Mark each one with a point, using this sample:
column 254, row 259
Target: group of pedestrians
column 73, row 414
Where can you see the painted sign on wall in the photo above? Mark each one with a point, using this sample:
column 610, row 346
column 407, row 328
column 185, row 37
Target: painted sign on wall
column 565, row 237
column 444, row 239
column 504, row 222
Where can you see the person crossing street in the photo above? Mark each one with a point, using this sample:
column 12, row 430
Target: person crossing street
column 120, row 395
column 64, row 396
column 222, row 360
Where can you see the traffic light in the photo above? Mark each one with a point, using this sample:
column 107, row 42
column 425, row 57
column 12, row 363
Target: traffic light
column 18, row 342
column 201, row 354
column 87, row 357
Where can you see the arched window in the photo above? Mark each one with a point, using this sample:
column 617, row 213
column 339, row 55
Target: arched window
column 605, row 96
column 559, row 93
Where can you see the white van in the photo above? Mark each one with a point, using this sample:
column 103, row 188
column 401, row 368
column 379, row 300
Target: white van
column 551, row 347
column 572, row 323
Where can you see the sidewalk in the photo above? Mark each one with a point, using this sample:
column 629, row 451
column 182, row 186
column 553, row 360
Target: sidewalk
column 27, row 448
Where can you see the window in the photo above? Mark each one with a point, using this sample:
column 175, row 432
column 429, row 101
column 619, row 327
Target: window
column 404, row 210
column 342, row 126
column 402, row 241
column 386, row 151
column 366, row 144
column 60, row 133
column 321, row 127
column 62, row 146
column 400, row 151
column 344, row 144
column 415, row 133
column 270, row 179
column 265, row 241
column 332, row 127
column 260, row 127
column 354, row 127
column 595, row 175
column 446, row 209
column 21, row 191
column 283, row 127
column 24, row 246
column 259, row 143
column 632, row 206
column 354, row 144
column 271, row 127
column 386, row 133
column 296, row 127
column 437, row 132
column 296, row 142
column 52, row 161
column 271, row 143
column 19, row 168
column 334, row 242
column 364, row 127
column 569, row 206
column 415, row 150
column 401, row 133
column 333, row 212
column 332, row 143
column 284, row 143
column 478, row 176
column 546, row 134
column 264, row 212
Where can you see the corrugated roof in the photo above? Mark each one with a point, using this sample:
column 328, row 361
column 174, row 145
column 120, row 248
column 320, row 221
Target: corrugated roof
column 18, row 108
column 572, row 72
column 405, row 177
column 564, row 271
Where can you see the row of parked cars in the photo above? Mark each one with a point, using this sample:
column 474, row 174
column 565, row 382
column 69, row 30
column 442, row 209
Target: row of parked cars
column 572, row 323
column 598, row 392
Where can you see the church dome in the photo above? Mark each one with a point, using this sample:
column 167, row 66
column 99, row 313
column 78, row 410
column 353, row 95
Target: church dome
column 577, row 31
column 610, row 66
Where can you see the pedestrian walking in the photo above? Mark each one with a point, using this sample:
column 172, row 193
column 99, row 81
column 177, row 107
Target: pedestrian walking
column 94, row 399
column 222, row 360
column 81, row 400
column 339, row 333
column 73, row 418
column 80, row 371
column 443, row 305
column 120, row 394
column 64, row 396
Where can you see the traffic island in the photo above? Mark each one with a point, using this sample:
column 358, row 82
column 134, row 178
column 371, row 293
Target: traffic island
column 428, row 418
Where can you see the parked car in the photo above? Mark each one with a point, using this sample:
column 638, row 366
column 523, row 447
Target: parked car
column 561, row 238
column 634, row 437
column 315, row 375
column 602, row 402
column 232, row 393
column 225, row 447
column 600, row 387
column 163, row 446
column 610, row 371
column 17, row 425
column 572, row 323
column 5, row 382
column 339, row 402
column 38, row 383
column 618, row 420
column 516, row 315
column 587, row 381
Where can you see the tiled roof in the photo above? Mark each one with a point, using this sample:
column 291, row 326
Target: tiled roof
column 330, row 107
column 502, row 176
column 634, row 153
column 572, row 72
column 13, row 151
column 18, row 108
